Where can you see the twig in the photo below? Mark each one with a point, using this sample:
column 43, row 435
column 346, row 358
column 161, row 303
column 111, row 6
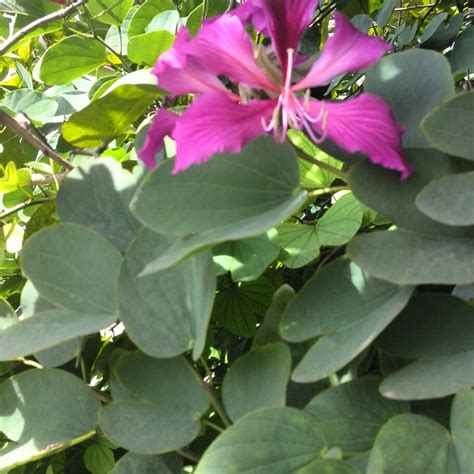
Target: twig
column 20, row 34
column 212, row 425
column 21, row 125
column 414, row 7
column 304, row 156
column 323, row 191
column 427, row 14
column 188, row 455
column 38, row 179
column 23, row 205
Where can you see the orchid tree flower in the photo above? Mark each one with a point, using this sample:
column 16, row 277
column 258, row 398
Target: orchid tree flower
column 242, row 92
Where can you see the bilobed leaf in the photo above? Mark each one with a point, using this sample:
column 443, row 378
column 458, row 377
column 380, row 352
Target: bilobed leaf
column 146, row 48
column 247, row 259
column 431, row 326
column 239, row 307
column 382, row 191
column 340, row 223
column 448, row 127
column 461, row 57
column 109, row 12
column 166, row 403
column 407, row 258
column 109, row 116
column 35, row 105
column 73, row 268
column 412, row 83
column 347, row 324
column 96, row 195
column 351, row 414
column 77, row 57
column 462, row 428
column 133, row 463
column 449, row 199
column 257, row 379
column 268, row 441
column 431, row 378
column 145, row 14
column 264, row 181
column 300, row 244
column 166, row 313
column 48, row 329
column 417, row 443
column 36, row 432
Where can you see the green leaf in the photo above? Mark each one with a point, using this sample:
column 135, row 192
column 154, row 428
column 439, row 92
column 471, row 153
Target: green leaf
column 97, row 194
column 74, row 268
column 35, row 105
column 167, row 20
column 462, row 428
column 239, row 307
column 431, row 378
column 268, row 441
column 99, row 459
column 257, row 379
column 47, row 329
column 415, row 442
column 300, row 244
column 461, row 57
column 166, row 313
column 363, row 308
column 412, row 83
column 327, row 466
column 247, row 259
column 140, row 464
column 36, row 9
column 146, row 48
column 384, row 14
column 351, row 414
column 407, row 258
column 165, row 405
column 341, row 222
column 449, row 199
column 109, row 116
column 37, row 432
column 77, row 56
column 382, row 190
column 145, row 14
column 109, row 12
column 264, row 181
column 448, row 127
column 268, row 331
column 431, row 326
column 313, row 176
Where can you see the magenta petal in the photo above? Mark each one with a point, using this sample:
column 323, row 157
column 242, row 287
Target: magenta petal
column 284, row 21
column 215, row 124
column 226, row 49
column 163, row 124
column 348, row 50
column 179, row 74
column 363, row 124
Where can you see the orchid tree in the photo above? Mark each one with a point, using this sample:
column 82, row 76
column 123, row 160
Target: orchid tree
column 237, row 237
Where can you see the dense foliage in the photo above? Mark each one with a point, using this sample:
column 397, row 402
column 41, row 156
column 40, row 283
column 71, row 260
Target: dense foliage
column 290, row 308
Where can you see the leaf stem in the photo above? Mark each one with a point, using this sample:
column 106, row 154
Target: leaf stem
column 216, row 404
column 212, row 425
column 30, row 363
column 322, row 191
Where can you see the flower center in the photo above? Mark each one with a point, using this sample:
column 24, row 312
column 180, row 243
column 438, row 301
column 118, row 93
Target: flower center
column 291, row 112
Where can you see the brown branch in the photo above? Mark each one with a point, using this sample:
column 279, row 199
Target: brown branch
column 38, row 179
column 20, row 34
column 21, row 126
column 23, row 205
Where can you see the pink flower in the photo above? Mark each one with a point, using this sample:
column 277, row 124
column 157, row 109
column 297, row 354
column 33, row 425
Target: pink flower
column 267, row 88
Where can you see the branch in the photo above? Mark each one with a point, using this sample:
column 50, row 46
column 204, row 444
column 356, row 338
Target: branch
column 23, row 205
column 21, row 126
column 20, row 34
column 38, row 179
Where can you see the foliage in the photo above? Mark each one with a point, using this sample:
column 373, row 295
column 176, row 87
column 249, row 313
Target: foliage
column 290, row 309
